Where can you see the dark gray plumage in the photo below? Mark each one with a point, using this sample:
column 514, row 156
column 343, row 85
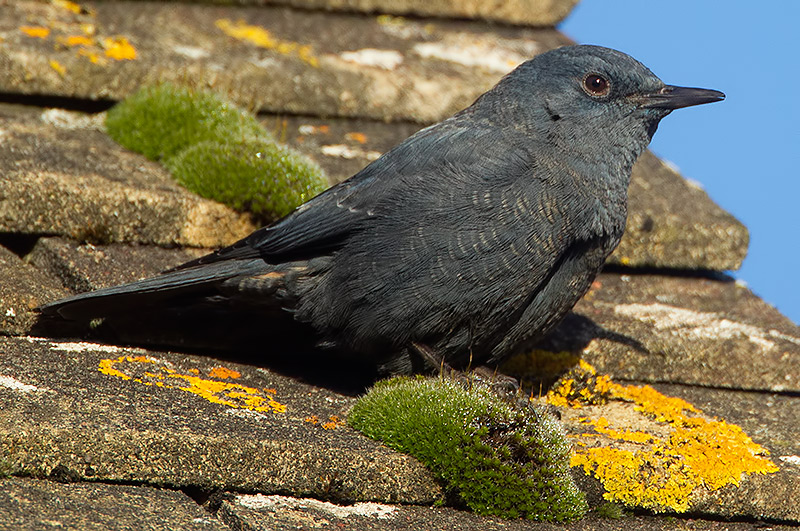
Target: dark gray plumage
column 466, row 242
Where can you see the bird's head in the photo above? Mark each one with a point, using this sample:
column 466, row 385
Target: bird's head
column 590, row 98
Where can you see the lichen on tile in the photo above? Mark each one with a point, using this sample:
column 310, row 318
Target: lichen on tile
column 662, row 452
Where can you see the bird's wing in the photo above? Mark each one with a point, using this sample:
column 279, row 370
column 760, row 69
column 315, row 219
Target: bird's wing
column 324, row 223
column 313, row 229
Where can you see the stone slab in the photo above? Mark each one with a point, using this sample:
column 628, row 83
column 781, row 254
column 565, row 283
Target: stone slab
column 62, row 175
column 674, row 224
column 28, row 504
column 280, row 513
column 84, row 266
column 659, row 452
column 772, row 420
column 89, row 412
column 22, row 289
column 526, row 12
column 681, row 329
column 270, row 58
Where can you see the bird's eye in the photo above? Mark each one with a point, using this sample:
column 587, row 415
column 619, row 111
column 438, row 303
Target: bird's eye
column 596, row 85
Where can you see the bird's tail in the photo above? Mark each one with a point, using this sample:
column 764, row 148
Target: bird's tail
column 192, row 282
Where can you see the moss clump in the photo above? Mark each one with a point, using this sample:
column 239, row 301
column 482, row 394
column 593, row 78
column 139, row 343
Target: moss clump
column 161, row 120
column 259, row 176
column 493, row 457
column 613, row 511
column 215, row 149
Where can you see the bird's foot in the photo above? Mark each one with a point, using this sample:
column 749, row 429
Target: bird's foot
column 501, row 384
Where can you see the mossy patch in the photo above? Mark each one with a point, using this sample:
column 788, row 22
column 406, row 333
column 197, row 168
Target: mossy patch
column 494, row 457
column 161, row 120
column 216, row 150
column 255, row 175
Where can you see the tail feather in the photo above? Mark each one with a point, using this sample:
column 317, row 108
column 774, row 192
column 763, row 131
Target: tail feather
column 170, row 285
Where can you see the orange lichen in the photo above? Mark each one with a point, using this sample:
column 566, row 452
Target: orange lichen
column 108, row 366
column 333, row 423
column 119, row 49
column 262, row 38
column 76, row 29
column 355, row 136
column 659, row 471
column 92, row 56
column 225, row 393
column 71, row 41
column 224, row 373
column 313, row 419
column 38, row 32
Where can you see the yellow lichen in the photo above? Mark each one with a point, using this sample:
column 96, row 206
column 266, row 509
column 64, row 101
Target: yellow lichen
column 69, row 6
column 58, row 67
column 38, row 32
column 262, row 38
column 580, row 386
column 217, row 392
column 659, row 471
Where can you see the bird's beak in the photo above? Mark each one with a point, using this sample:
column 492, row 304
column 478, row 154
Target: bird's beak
column 671, row 97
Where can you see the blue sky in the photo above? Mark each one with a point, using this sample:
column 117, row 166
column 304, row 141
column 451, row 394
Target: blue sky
column 746, row 150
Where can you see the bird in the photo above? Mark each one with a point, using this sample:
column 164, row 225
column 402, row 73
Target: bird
column 466, row 243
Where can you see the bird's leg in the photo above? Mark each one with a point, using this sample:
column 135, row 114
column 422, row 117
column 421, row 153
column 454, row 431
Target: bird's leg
column 500, row 383
column 432, row 359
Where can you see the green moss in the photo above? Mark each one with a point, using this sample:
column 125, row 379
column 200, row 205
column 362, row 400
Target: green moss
column 610, row 510
column 162, row 120
column 6, row 469
column 256, row 175
column 493, row 457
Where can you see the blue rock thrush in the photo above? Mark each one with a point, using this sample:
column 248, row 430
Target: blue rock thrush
column 465, row 243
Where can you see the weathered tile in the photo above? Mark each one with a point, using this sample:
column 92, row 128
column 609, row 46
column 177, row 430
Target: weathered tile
column 679, row 329
column 268, row 58
column 89, row 412
column 62, row 175
column 22, row 289
column 534, row 13
column 34, row 504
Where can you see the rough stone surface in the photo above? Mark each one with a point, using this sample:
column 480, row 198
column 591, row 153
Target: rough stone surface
column 28, row 504
column 88, row 412
column 682, row 329
column 61, row 175
column 279, row 513
column 528, row 12
column 85, row 267
column 674, row 224
column 773, row 420
column 86, row 416
column 620, row 425
column 22, row 289
column 281, row 60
